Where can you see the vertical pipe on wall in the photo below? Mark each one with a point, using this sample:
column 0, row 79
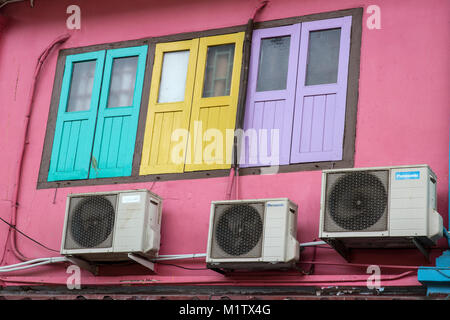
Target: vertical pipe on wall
column 234, row 174
column 24, row 141
column 3, row 23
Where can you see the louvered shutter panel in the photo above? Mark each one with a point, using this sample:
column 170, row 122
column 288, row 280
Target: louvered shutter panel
column 117, row 120
column 213, row 117
column 270, row 108
column 162, row 152
column 319, row 116
column 74, row 130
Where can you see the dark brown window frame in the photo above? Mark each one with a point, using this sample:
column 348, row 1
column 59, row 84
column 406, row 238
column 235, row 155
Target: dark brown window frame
column 350, row 115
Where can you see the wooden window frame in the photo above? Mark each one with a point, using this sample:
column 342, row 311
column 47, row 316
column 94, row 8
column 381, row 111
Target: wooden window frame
column 350, row 114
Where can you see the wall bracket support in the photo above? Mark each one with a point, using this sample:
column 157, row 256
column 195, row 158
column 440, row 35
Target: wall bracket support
column 83, row 264
column 142, row 261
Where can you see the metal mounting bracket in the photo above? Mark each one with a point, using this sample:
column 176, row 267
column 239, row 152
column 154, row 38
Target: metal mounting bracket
column 340, row 248
column 218, row 270
column 421, row 248
column 142, row 261
column 83, row 264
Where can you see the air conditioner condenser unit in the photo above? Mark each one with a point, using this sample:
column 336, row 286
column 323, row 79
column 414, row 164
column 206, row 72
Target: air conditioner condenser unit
column 252, row 234
column 380, row 207
column 107, row 226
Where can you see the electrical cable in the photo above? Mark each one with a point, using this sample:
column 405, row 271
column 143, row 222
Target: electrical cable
column 178, row 266
column 442, row 273
column 446, row 235
column 22, row 233
column 320, row 247
column 315, row 244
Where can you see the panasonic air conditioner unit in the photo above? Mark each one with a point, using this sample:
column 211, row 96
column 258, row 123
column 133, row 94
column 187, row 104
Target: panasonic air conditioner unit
column 107, row 226
column 252, row 234
column 379, row 207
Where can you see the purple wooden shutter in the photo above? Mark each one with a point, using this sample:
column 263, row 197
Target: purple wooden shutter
column 319, row 116
column 270, row 109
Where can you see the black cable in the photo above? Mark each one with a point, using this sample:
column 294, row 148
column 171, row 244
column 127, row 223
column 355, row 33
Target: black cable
column 35, row 241
column 442, row 273
column 312, row 267
column 114, row 263
column 178, row 266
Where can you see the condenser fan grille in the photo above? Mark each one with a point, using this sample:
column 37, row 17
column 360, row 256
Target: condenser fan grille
column 238, row 230
column 91, row 222
column 357, row 201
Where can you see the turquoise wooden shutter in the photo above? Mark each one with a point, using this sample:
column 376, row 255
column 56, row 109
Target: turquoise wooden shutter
column 120, row 101
column 75, row 123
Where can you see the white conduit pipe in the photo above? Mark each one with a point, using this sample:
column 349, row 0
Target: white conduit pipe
column 24, row 263
column 199, row 255
column 32, row 263
column 179, row 256
column 43, row 261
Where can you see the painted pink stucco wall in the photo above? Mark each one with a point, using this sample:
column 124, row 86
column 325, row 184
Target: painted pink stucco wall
column 403, row 118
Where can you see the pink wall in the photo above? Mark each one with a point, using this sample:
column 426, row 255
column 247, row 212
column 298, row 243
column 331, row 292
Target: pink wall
column 403, row 118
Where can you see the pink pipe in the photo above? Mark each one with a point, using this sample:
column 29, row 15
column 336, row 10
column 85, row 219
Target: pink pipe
column 24, row 139
column 213, row 280
column 3, row 23
column 360, row 265
column 237, row 184
column 230, row 183
column 261, row 5
column 235, row 171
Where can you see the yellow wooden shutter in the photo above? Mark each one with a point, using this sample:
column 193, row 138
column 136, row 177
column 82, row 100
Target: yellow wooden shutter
column 161, row 153
column 212, row 116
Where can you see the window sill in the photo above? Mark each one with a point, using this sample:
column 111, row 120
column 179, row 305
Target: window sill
column 300, row 167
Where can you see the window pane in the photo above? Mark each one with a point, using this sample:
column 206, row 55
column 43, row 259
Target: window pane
column 123, row 78
column 173, row 76
column 219, row 69
column 273, row 64
column 81, row 86
column 323, row 56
